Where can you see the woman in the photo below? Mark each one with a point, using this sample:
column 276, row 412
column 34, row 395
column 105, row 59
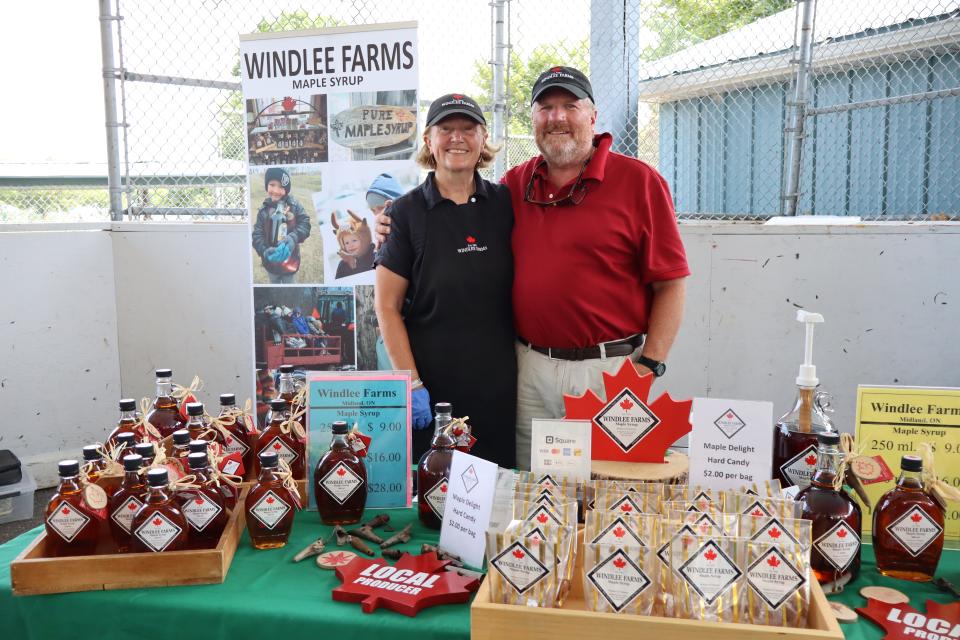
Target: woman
column 443, row 284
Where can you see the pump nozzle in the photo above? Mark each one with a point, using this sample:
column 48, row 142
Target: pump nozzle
column 808, row 372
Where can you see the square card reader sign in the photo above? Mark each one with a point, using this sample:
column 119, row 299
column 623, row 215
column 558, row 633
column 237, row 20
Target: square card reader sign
column 379, row 404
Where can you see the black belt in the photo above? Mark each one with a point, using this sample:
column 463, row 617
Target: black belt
column 607, row 349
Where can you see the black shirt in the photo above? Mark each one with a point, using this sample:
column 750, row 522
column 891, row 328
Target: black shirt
column 457, row 309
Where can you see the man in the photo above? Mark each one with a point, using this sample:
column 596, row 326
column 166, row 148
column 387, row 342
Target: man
column 599, row 266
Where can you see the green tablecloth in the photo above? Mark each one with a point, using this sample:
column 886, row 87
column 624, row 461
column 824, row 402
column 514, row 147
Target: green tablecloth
column 264, row 595
column 918, row 592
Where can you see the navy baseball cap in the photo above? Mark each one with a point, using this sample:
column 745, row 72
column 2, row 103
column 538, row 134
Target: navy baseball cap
column 454, row 104
column 567, row 78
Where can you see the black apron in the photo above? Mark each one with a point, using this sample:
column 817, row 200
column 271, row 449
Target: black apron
column 460, row 322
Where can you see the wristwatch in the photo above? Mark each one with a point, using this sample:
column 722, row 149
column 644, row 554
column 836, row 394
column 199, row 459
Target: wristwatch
column 656, row 367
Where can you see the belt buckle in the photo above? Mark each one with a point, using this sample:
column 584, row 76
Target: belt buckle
column 603, row 350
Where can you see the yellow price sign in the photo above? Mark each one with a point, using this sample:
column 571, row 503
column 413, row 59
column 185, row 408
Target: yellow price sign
column 890, row 423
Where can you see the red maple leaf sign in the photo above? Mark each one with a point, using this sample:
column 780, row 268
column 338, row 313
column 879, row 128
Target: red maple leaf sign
column 276, row 445
column 626, row 507
column 542, row 518
column 674, row 417
column 132, row 507
column 773, row 562
column 619, row 563
column 940, row 619
column 413, row 583
column 619, row 532
column 269, row 500
column 518, row 554
column 842, row 533
column 710, row 555
column 443, row 488
column 626, row 405
column 916, row 517
column 810, row 460
column 341, row 471
column 471, row 240
column 774, row 533
column 198, row 500
column 157, row 522
column 65, row 511
column 288, row 104
column 756, row 512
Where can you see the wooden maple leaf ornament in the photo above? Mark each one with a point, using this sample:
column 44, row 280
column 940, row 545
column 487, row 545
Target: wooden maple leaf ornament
column 672, row 416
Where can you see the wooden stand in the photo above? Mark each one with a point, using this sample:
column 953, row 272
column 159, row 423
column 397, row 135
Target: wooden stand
column 674, row 471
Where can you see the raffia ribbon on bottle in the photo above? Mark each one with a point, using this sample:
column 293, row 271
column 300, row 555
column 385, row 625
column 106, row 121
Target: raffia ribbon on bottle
column 216, row 474
column 180, row 392
column 110, row 453
column 292, row 423
column 234, row 414
column 183, row 483
column 454, row 423
column 849, row 451
column 285, row 476
column 933, row 485
column 144, row 424
column 299, row 399
column 162, row 460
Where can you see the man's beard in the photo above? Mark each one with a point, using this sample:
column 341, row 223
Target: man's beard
column 564, row 152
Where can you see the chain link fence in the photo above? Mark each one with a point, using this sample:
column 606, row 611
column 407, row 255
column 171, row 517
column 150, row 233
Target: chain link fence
column 749, row 108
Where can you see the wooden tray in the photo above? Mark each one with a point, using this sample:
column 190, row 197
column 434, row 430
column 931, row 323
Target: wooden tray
column 32, row 573
column 494, row 621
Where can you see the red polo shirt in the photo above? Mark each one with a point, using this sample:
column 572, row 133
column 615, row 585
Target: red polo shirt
column 582, row 273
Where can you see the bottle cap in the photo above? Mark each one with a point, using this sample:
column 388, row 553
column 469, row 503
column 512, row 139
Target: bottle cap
column 278, row 404
column 126, row 438
column 443, row 407
column 340, row 428
column 828, row 438
column 198, row 446
column 164, row 373
column 227, row 399
column 68, row 468
column 128, row 404
column 194, row 408
column 911, row 463
column 92, row 452
column 132, row 462
column 197, row 460
column 808, row 372
column 285, row 368
column 157, row 477
column 145, row 450
column 268, row 459
column 181, row 436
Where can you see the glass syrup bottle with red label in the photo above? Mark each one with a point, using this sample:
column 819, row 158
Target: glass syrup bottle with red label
column 269, row 507
column 128, row 419
column 196, row 425
column 159, row 525
column 835, row 520
column 241, row 438
column 340, row 481
column 165, row 414
column 795, row 434
column 125, row 503
column 72, row 528
column 433, row 470
column 203, row 508
column 288, row 447
column 908, row 527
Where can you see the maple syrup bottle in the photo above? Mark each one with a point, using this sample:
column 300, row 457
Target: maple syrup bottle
column 239, row 440
column 72, row 529
column 203, row 508
column 198, row 446
column 908, row 527
column 126, row 441
column 195, row 423
column 181, row 446
column 433, row 470
column 269, row 507
column 159, row 525
column 229, row 493
column 125, row 503
column 287, row 446
column 340, row 481
column 836, row 520
column 165, row 415
column 146, row 452
column 93, row 460
column 128, row 418
column 286, row 389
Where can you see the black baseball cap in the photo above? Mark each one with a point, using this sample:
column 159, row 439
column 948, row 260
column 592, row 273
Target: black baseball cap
column 567, row 78
column 454, row 104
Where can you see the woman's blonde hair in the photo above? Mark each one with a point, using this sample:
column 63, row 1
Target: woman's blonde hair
column 426, row 160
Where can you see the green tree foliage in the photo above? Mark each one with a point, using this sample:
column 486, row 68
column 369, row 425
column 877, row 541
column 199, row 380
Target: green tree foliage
column 231, row 107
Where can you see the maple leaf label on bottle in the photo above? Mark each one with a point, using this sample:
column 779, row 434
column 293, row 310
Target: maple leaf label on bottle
column 341, row 482
column 233, row 444
column 123, row 515
column 774, row 578
column 839, row 545
column 200, row 510
column 279, row 447
column 799, row 469
column 157, row 532
column 626, row 419
column 618, row 579
column 774, row 532
column 436, row 497
column 270, row 509
column 619, row 532
column 915, row 530
column 519, row 567
column 709, row 571
column 67, row 521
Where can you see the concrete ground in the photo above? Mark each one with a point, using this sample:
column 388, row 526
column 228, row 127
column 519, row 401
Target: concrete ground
column 11, row 530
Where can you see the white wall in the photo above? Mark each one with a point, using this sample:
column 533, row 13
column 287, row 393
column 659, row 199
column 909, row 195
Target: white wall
column 125, row 299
